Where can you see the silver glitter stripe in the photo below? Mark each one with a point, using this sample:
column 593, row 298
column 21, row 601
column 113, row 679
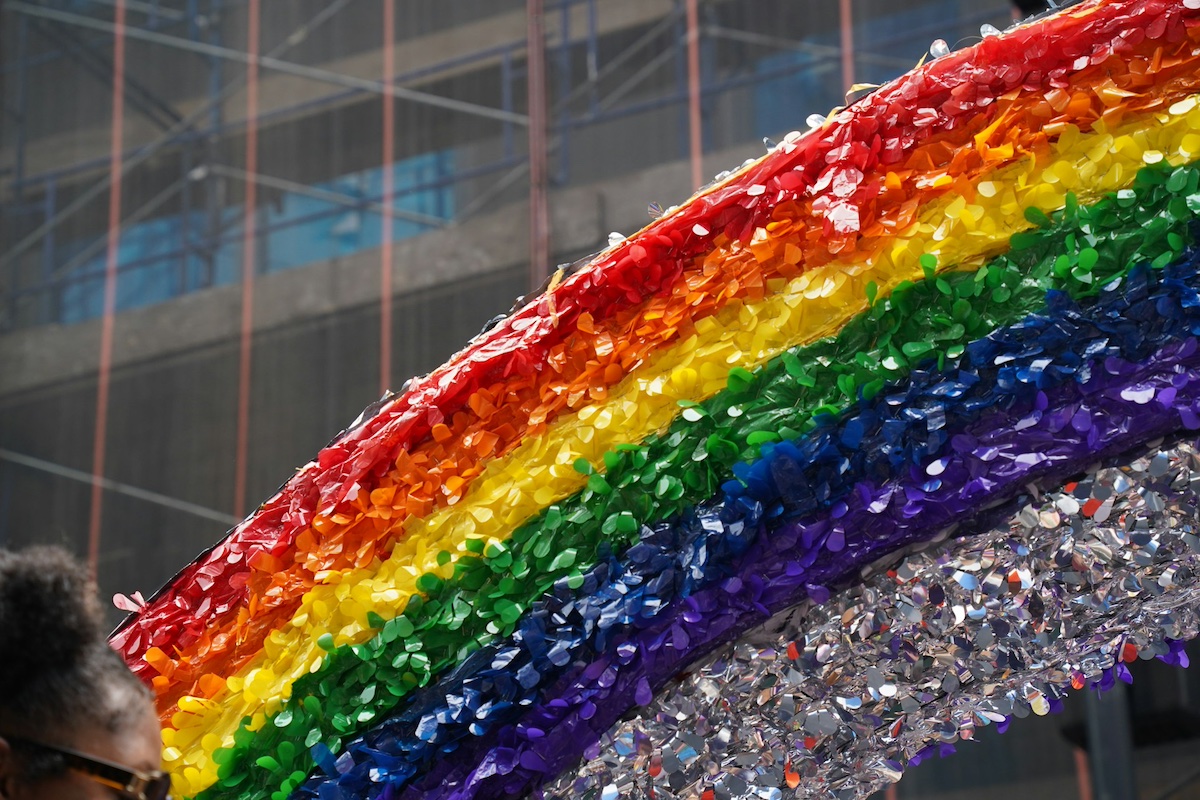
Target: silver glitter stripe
column 950, row 639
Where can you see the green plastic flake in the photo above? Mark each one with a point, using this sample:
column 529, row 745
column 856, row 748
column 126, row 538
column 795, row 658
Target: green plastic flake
column 1088, row 257
column 268, row 763
column 740, row 380
column 916, row 349
column 429, row 583
column 599, row 485
column 564, row 559
column 1037, row 217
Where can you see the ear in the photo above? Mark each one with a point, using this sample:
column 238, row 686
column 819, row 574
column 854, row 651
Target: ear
column 7, row 770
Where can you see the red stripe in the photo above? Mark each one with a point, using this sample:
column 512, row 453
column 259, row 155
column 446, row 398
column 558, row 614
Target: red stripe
column 389, row 157
column 110, row 285
column 248, row 220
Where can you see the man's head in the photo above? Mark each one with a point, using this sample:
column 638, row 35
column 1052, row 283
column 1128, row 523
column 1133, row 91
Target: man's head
column 73, row 718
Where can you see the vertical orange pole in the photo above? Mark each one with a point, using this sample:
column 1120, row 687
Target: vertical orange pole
column 695, row 129
column 539, row 211
column 248, row 259
column 1083, row 774
column 847, row 45
column 389, row 188
column 100, row 437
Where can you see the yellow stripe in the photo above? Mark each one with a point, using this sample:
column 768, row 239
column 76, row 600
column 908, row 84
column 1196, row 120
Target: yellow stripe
column 539, row 471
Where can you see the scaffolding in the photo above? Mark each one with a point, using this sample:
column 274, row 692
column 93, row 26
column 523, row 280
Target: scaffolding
column 231, row 139
column 601, row 69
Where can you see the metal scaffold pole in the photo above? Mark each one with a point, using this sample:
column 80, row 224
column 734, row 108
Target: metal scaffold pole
column 104, row 368
column 847, row 37
column 388, row 157
column 1110, row 744
column 539, row 213
column 695, row 120
column 249, row 263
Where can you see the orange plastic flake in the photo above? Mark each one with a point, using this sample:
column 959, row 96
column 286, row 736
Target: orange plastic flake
column 263, row 561
column 791, row 776
column 210, row 685
column 160, row 661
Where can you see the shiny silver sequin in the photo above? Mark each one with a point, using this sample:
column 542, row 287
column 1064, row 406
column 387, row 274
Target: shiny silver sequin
column 833, row 700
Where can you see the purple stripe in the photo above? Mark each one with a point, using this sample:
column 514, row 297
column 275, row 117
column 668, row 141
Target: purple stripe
column 1121, row 406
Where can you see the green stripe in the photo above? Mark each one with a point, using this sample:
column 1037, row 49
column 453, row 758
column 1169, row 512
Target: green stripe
column 1077, row 251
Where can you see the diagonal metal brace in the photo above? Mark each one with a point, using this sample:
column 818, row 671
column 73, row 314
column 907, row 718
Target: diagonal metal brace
column 141, row 98
column 267, row 62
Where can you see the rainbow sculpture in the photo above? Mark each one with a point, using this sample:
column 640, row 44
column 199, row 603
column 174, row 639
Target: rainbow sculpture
column 886, row 436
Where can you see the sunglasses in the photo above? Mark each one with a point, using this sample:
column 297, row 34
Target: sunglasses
column 129, row 783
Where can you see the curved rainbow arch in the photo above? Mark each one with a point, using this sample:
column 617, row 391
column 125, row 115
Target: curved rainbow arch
column 978, row 279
